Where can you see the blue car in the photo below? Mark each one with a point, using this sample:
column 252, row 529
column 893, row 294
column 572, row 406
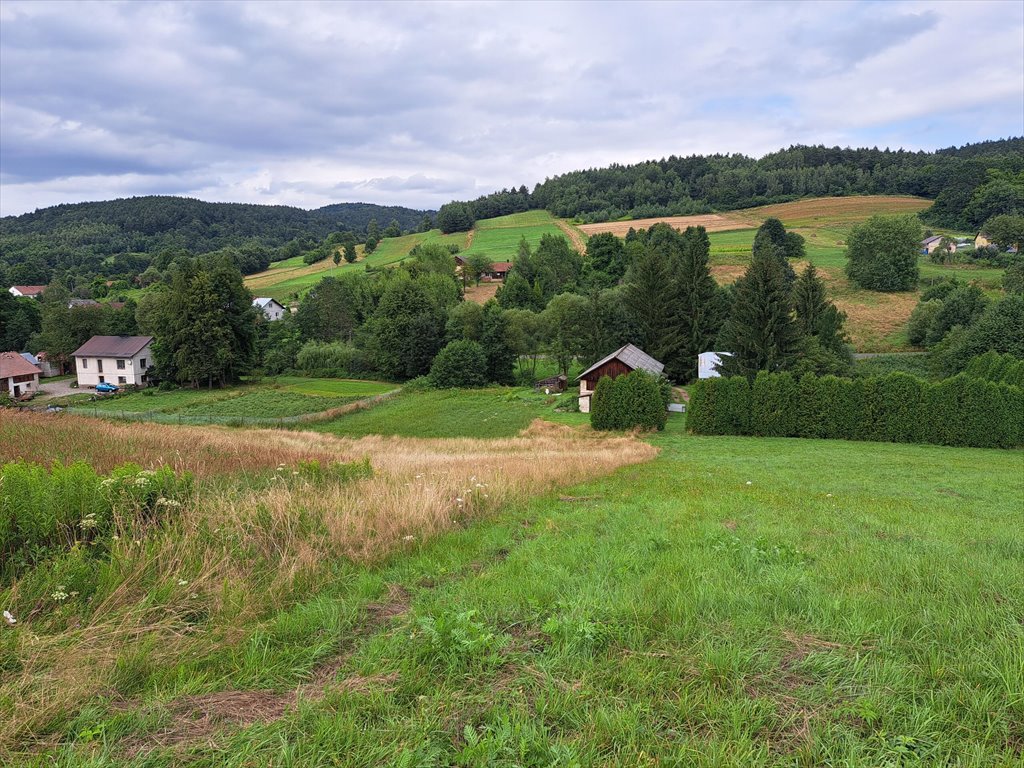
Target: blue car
column 104, row 387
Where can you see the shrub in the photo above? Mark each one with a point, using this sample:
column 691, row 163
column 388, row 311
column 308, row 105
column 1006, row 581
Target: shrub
column 633, row 400
column 773, row 401
column 899, row 408
column 720, row 406
column 921, row 320
column 460, row 364
column 318, row 358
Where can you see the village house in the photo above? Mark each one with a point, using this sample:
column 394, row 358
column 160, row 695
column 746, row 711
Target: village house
column 708, row 362
column 271, row 308
column 499, row 269
column 117, row 360
column 620, row 362
column 18, row 377
column 28, row 291
column 929, row 244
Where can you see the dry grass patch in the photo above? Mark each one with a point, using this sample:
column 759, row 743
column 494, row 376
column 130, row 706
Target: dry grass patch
column 870, row 325
column 242, row 554
column 712, row 222
column 481, row 293
column 725, row 274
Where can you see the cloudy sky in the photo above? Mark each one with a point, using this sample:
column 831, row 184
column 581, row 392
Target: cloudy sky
column 420, row 103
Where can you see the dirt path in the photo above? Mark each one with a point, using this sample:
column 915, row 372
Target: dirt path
column 575, row 236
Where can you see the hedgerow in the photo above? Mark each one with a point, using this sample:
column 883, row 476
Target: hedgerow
column 634, row 400
column 963, row 410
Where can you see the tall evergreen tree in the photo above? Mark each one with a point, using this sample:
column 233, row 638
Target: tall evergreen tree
column 760, row 334
column 649, row 296
column 700, row 307
column 821, row 322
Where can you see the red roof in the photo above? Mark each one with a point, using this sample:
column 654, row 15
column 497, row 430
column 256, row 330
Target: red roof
column 13, row 364
column 113, row 346
column 29, row 290
column 501, row 266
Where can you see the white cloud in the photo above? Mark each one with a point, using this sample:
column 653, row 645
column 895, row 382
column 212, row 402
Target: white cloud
column 313, row 103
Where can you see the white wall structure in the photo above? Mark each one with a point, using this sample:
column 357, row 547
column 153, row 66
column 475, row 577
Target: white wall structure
column 120, row 360
column 271, row 308
column 707, row 364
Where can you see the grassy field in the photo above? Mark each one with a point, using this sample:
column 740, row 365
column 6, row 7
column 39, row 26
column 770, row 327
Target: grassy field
column 269, row 399
column 733, row 601
column 499, row 238
column 291, row 278
column 499, row 412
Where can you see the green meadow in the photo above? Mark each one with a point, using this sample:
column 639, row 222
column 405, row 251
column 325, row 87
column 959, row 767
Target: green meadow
column 732, row 602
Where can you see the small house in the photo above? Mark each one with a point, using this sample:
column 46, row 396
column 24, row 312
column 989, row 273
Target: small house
column 498, row 271
column 271, row 308
column 551, row 384
column 981, row 240
column 28, row 291
column 48, row 367
column 930, row 244
column 18, row 377
column 75, row 303
column 620, row 362
column 117, row 360
column 708, row 362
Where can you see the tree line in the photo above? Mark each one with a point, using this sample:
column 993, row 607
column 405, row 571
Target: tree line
column 969, row 184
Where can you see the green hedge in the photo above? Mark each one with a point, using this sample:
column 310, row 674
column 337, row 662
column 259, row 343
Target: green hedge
column 964, row 410
column 993, row 366
column 634, row 400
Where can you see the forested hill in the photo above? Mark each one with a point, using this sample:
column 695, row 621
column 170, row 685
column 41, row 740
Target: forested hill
column 83, row 235
column 969, row 184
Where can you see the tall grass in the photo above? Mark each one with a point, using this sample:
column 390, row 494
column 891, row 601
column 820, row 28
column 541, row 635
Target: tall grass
column 198, row 585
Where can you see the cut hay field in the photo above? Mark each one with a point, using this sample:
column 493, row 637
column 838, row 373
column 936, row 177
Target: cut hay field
column 697, row 601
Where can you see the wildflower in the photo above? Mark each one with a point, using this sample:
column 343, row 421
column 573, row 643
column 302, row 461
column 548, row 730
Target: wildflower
column 408, row 538
column 59, row 594
column 828, row 495
column 115, row 537
column 182, row 583
column 749, row 482
column 10, row 618
column 87, row 522
column 458, row 500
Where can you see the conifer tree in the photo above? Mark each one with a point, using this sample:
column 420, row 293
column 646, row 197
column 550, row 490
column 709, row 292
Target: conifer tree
column 501, row 357
column 760, row 334
column 649, row 296
column 700, row 307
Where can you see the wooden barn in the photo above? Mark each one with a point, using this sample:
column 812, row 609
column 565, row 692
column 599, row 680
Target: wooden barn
column 620, row 362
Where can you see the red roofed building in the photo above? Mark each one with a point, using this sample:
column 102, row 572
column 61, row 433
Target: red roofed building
column 18, row 377
column 29, row 291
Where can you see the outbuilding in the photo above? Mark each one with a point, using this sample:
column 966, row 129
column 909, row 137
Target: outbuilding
column 708, row 362
column 18, row 377
column 620, row 362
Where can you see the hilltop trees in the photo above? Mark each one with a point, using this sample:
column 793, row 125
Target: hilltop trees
column 882, row 253
column 455, row 217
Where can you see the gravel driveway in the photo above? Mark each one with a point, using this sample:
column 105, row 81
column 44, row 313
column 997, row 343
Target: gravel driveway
column 58, row 389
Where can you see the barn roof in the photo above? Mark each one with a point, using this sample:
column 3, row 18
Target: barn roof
column 29, row 290
column 113, row 346
column 632, row 356
column 13, row 364
column 501, row 266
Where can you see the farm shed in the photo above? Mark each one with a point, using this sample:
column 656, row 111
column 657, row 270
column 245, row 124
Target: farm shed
column 18, row 377
column 930, row 244
column 620, row 362
column 553, row 383
column 114, row 360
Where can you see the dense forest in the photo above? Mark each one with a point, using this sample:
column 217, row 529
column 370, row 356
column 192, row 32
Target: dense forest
column 121, row 238
column 969, row 184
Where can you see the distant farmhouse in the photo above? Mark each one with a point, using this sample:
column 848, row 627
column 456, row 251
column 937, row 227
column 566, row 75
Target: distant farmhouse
column 28, row 291
column 18, row 377
column 118, row 360
column 499, row 269
column 271, row 308
column 929, row 244
column 620, row 362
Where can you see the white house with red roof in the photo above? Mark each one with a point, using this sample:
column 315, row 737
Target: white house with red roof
column 18, row 377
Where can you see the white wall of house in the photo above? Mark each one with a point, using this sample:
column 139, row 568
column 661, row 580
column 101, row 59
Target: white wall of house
column 114, row 370
column 585, row 395
column 707, row 364
column 16, row 386
column 272, row 310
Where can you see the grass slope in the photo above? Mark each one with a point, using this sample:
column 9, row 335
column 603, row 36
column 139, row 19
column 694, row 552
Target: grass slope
column 736, row 601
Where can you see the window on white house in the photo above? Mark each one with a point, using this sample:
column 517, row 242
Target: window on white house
column 142, row 363
column 122, row 380
column 99, row 364
column 85, row 363
column 120, row 365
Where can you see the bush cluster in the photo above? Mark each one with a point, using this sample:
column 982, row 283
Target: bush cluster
column 637, row 399
column 962, row 410
column 330, row 359
column 460, row 364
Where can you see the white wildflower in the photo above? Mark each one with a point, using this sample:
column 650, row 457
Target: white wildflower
column 408, row 538
column 182, row 583
column 59, row 594
column 828, row 495
column 749, row 482
column 87, row 522
column 9, row 618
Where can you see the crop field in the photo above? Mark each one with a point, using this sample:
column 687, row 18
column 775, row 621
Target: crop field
column 554, row 598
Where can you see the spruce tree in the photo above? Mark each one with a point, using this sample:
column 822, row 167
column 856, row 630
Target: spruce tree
column 760, row 334
column 809, row 300
column 501, row 357
column 649, row 296
column 699, row 308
